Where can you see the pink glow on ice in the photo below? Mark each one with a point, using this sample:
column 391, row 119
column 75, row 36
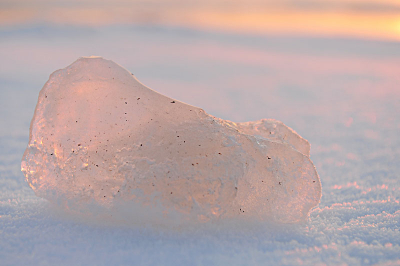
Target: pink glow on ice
column 349, row 122
column 81, row 153
column 352, row 156
column 371, row 117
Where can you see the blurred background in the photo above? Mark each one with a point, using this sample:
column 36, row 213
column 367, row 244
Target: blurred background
column 329, row 69
column 352, row 18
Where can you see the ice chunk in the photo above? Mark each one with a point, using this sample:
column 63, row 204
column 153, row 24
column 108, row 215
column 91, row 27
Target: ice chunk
column 102, row 139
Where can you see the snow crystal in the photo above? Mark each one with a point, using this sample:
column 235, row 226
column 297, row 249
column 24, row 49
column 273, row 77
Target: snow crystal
column 102, row 139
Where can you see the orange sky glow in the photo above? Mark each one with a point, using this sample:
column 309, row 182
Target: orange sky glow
column 342, row 18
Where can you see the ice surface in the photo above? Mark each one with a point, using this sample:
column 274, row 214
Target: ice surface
column 102, row 139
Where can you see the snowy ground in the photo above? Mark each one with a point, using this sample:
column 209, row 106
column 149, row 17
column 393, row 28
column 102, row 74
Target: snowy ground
column 341, row 94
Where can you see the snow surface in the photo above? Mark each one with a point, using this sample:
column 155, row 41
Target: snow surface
column 340, row 94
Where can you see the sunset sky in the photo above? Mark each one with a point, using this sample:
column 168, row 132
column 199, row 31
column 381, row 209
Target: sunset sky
column 372, row 19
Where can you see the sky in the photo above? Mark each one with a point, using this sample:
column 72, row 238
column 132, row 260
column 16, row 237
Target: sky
column 329, row 70
column 364, row 19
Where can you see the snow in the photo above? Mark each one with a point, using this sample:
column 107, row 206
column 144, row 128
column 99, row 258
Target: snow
column 341, row 95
